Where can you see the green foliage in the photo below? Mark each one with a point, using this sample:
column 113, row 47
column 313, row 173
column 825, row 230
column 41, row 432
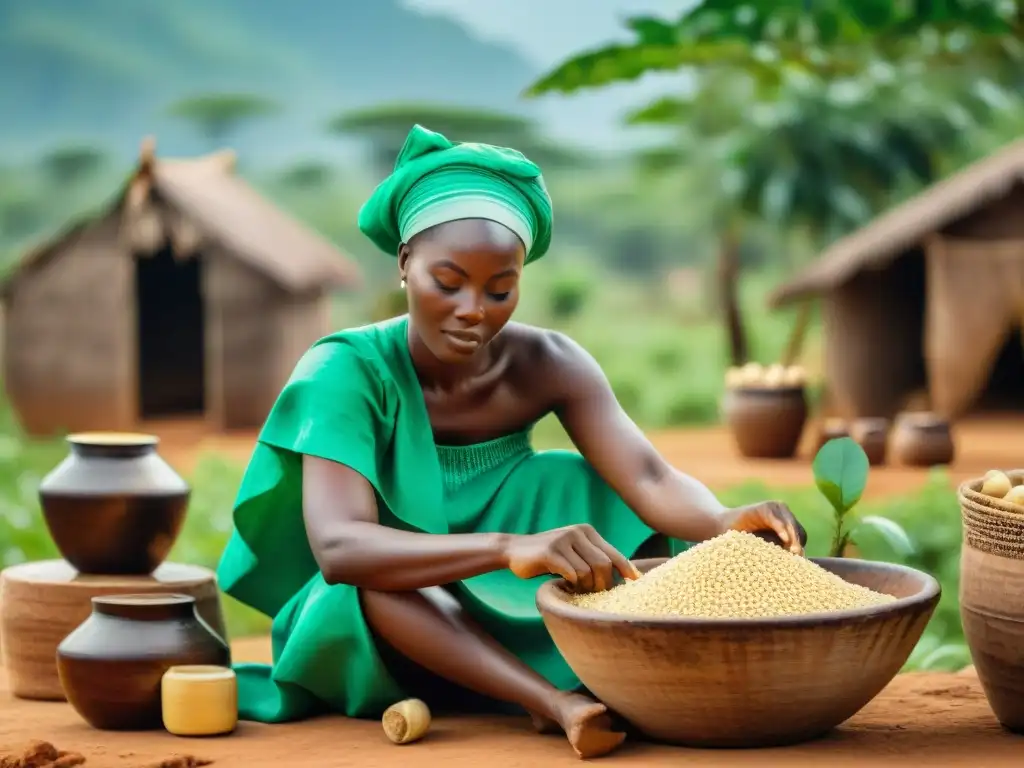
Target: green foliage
column 841, row 473
column 307, row 174
column 827, row 38
column 930, row 518
column 385, row 127
column 70, row 164
column 813, row 114
column 217, row 115
column 458, row 123
column 568, row 293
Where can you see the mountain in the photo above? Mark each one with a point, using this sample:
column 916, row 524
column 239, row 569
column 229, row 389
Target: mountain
column 105, row 71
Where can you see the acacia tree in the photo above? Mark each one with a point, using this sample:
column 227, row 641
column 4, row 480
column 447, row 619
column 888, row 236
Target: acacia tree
column 385, row 127
column 217, row 115
column 71, row 164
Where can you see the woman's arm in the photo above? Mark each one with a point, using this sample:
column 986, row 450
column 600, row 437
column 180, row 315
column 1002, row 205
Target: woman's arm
column 351, row 547
column 667, row 500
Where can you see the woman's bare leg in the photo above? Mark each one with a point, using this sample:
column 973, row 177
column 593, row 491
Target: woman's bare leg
column 430, row 628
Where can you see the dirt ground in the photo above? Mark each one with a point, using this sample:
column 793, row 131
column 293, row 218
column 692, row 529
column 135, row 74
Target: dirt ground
column 706, row 453
column 932, row 719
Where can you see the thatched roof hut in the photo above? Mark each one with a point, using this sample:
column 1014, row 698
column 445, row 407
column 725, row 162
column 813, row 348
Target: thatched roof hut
column 930, row 296
column 189, row 294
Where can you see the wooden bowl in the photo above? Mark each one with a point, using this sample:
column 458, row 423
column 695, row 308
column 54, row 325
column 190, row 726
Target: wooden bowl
column 744, row 682
column 766, row 423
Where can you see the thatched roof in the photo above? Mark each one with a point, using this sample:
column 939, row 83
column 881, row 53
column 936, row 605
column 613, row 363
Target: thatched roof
column 224, row 208
column 902, row 227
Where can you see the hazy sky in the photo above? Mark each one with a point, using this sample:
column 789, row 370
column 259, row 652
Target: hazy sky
column 547, row 31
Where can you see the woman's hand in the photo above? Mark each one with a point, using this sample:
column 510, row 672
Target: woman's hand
column 771, row 520
column 575, row 552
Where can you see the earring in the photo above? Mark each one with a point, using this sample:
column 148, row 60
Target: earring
column 403, row 282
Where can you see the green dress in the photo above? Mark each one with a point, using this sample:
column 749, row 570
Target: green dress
column 354, row 398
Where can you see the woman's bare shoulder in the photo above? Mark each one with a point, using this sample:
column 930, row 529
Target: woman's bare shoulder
column 547, row 360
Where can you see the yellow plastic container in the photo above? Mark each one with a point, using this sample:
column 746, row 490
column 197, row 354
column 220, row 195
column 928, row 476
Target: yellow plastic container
column 199, row 700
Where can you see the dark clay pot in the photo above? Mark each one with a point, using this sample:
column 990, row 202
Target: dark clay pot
column 832, row 429
column 766, row 423
column 111, row 666
column 113, row 505
column 922, row 440
column 872, row 435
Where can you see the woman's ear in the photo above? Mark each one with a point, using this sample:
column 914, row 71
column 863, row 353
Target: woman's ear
column 403, row 258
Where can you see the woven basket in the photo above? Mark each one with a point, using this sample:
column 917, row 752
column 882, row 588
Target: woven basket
column 992, row 525
column 992, row 597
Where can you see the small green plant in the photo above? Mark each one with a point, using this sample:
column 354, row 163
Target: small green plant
column 841, row 473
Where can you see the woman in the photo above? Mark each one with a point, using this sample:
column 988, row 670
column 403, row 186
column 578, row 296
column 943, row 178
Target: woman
column 393, row 516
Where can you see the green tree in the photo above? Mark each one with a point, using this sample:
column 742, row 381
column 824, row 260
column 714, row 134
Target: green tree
column 385, row 127
column 306, row 174
column 826, row 38
column 71, row 164
column 793, row 117
column 217, row 115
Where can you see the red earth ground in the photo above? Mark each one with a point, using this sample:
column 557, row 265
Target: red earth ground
column 933, row 719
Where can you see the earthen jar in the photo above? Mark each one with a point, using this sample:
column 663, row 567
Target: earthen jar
column 922, row 440
column 992, row 597
column 872, row 435
column 113, row 506
column 111, row 666
column 830, row 429
column 766, row 423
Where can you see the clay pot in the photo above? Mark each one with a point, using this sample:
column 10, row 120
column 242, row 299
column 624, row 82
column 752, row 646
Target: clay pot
column 872, row 435
column 992, row 597
column 744, row 682
column 113, row 506
column 111, row 666
column 922, row 440
column 766, row 423
column 831, row 429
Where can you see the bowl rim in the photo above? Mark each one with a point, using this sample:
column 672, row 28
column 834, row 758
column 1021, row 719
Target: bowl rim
column 550, row 603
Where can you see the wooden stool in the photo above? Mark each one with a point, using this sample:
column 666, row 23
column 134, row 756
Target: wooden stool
column 42, row 602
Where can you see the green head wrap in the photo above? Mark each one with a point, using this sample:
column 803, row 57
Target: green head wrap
column 436, row 180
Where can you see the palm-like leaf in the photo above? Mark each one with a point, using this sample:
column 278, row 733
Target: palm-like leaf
column 823, row 155
column 825, row 37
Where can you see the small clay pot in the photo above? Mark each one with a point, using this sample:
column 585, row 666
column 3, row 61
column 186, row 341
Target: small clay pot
column 113, row 506
column 872, row 435
column 766, row 422
column 922, row 440
column 111, row 666
column 830, row 429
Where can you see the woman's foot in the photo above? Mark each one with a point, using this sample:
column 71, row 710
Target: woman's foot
column 585, row 722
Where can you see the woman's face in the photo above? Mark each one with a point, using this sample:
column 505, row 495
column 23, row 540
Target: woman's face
column 462, row 282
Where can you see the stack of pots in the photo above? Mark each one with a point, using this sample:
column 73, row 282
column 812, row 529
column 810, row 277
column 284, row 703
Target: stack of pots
column 992, row 597
column 115, row 508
